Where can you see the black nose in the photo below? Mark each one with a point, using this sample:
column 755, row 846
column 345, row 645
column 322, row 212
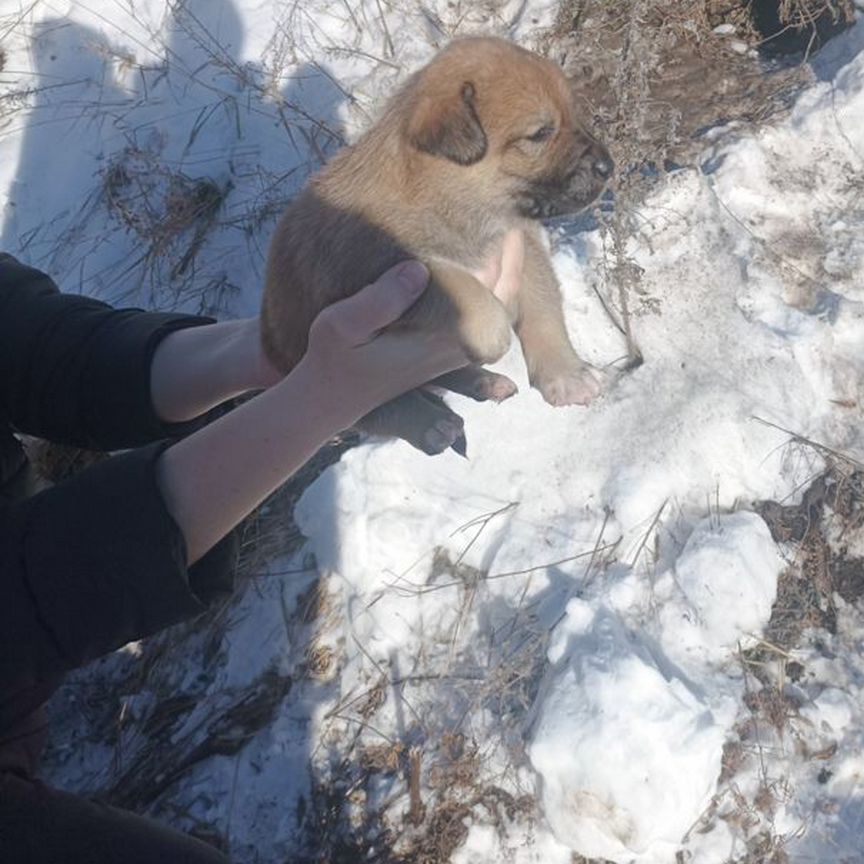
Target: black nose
column 603, row 168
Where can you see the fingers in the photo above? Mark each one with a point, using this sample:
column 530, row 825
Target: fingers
column 362, row 316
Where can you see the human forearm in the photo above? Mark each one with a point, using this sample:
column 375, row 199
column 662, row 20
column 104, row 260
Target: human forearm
column 216, row 476
column 75, row 370
column 212, row 479
column 197, row 368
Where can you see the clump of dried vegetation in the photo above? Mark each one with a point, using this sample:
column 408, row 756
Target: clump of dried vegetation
column 822, row 571
column 443, row 791
column 161, row 206
column 656, row 76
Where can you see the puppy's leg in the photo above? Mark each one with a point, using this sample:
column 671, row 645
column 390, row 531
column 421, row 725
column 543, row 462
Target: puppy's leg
column 458, row 302
column 477, row 383
column 554, row 367
column 419, row 417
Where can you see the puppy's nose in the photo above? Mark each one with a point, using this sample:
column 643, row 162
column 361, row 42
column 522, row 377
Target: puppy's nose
column 603, row 167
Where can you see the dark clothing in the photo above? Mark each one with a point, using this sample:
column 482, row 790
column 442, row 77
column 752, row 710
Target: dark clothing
column 39, row 825
column 95, row 561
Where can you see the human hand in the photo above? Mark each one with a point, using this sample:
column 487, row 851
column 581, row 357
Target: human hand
column 501, row 273
column 359, row 362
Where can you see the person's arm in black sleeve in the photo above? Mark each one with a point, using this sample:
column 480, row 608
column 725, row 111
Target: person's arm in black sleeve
column 89, row 565
column 75, row 370
column 93, row 563
column 98, row 560
column 84, row 582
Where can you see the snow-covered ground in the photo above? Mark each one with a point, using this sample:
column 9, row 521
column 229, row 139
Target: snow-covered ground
column 561, row 617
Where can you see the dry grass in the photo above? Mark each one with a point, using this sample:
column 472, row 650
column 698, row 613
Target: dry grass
column 654, row 75
column 56, row 462
column 171, row 215
column 443, row 792
column 833, row 504
column 229, row 724
column 804, row 26
column 805, row 597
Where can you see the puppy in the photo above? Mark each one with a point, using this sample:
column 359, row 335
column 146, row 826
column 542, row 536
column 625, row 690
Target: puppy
column 482, row 140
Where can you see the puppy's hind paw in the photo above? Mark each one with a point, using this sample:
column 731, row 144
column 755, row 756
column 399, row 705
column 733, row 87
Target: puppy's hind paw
column 443, row 435
column 478, row 383
column 494, row 387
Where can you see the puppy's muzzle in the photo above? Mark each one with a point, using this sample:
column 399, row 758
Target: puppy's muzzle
column 582, row 181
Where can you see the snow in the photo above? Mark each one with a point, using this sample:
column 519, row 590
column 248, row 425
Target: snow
column 736, row 339
column 727, row 578
column 573, row 598
column 623, row 791
column 612, row 788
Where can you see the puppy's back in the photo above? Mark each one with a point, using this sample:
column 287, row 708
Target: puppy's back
column 319, row 254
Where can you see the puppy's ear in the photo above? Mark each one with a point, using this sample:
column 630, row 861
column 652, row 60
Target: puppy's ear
column 447, row 125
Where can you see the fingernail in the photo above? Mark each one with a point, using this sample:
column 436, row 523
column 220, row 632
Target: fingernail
column 414, row 275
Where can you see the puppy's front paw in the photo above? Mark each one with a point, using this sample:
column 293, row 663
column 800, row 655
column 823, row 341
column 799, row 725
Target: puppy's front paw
column 486, row 341
column 574, row 385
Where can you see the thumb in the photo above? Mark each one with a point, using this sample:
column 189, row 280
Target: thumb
column 385, row 300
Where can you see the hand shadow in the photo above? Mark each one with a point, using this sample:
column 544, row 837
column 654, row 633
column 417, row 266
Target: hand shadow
column 151, row 174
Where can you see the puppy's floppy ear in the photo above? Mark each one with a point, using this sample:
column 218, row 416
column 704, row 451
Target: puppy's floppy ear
column 446, row 124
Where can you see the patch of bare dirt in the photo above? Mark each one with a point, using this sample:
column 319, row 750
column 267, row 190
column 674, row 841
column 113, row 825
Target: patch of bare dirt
column 655, row 75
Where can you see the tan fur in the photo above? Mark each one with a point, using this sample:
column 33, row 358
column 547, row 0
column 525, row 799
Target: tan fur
column 445, row 172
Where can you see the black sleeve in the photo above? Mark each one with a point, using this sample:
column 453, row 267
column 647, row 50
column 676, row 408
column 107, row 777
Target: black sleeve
column 93, row 563
column 75, row 370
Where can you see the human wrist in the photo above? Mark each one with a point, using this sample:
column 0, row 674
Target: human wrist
column 332, row 402
column 240, row 358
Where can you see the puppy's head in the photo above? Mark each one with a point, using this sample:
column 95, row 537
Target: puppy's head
column 507, row 118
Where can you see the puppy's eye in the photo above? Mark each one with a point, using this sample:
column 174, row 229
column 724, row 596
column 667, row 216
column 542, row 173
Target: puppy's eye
column 544, row 133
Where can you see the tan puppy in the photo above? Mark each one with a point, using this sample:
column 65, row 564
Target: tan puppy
column 482, row 140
